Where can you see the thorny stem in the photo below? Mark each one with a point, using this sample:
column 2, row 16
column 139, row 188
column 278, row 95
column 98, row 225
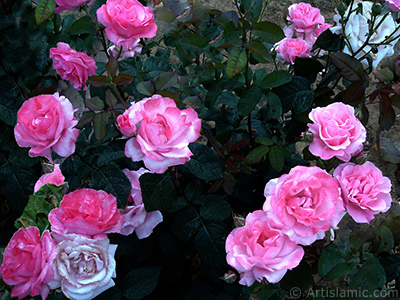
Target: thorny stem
column 115, row 88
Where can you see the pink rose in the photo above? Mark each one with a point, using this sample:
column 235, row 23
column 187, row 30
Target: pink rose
column 309, row 36
column 131, row 51
column 304, row 204
column 163, row 135
column 44, row 122
column 129, row 121
column 56, row 178
column 365, row 191
column 258, row 251
column 393, row 5
column 71, row 4
column 136, row 218
column 86, row 212
column 126, row 21
column 27, row 263
column 84, row 267
column 304, row 17
column 289, row 49
column 71, row 65
column 337, row 132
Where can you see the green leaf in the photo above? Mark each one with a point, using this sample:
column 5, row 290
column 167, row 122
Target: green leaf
column 86, row 118
column 275, row 79
column 145, row 88
column 98, row 80
column 81, row 26
column 257, row 154
column 112, row 66
column 44, row 10
column 107, row 157
column 140, row 282
column 370, row 276
column 391, row 265
column 249, row 99
column 252, row 9
column 228, row 98
column 210, row 244
column 333, row 263
column 166, row 80
column 205, row 163
column 354, row 92
column 275, row 105
column 100, row 122
column 349, row 67
column 113, row 181
column 236, row 62
column 8, row 116
column 269, row 32
column 386, row 238
column 158, row 191
column 215, row 209
column 185, row 224
column 329, row 41
column 94, row 103
column 300, row 277
column 259, row 51
column 307, row 67
column 123, row 79
column 277, row 158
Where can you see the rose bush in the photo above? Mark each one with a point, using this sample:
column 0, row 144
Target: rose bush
column 304, row 204
column 84, row 267
column 365, row 191
column 163, row 133
column 258, row 251
column 27, row 263
column 47, row 122
column 87, row 212
column 336, row 132
column 71, row 65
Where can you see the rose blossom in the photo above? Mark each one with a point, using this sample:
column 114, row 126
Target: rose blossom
column 44, row 122
column 305, row 21
column 71, row 65
column 393, row 5
column 303, row 204
column 71, row 4
column 163, row 133
column 126, row 21
column 337, row 132
column 56, row 178
column 357, row 29
column 27, row 263
column 135, row 48
column 258, row 251
column 136, row 218
column 86, row 212
column 83, row 267
column 365, row 191
column 288, row 49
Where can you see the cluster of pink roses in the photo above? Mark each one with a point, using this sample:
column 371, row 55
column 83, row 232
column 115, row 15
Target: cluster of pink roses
column 77, row 255
column 305, row 25
column 302, row 205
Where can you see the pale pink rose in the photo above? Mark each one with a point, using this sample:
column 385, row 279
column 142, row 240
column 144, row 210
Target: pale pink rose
column 136, row 218
column 336, row 132
column 71, row 65
column 131, row 51
column 304, row 17
column 56, row 178
column 27, row 263
column 163, row 135
column 45, row 122
column 71, row 4
column 258, row 251
column 126, row 21
column 288, row 49
column 86, row 212
column 304, row 204
column 365, row 191
column 84, row 267
column 393, row 5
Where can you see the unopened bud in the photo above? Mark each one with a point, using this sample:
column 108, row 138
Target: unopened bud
column 229, row 277
column 308, row 136
column 361, row 158
column 374, row 49
column 376, row 9
column 239, row 220
column 341, row 8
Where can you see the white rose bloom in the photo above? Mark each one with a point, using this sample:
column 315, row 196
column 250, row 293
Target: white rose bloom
column 83, row 267
column 356, row 31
